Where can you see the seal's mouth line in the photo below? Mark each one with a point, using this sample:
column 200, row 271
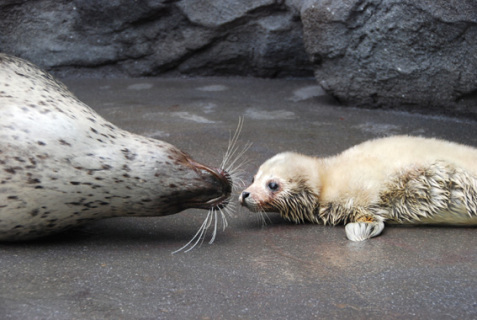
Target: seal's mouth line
column 219, row 202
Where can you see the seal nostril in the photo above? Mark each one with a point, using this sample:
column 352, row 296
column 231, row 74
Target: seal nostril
column 245, row 195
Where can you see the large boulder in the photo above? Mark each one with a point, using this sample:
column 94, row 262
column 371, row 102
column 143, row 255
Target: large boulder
column 394, row 53
column 153, row 37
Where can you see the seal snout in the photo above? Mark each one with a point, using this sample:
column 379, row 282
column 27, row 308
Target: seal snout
column 243, row 196
column 248, row 200
column 217, row 186
column 225, row 184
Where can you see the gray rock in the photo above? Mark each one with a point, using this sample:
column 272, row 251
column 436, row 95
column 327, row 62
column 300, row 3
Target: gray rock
column 394, row 53
column 154, row 37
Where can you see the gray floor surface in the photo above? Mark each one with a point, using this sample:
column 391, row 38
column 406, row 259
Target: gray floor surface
column 123, row 268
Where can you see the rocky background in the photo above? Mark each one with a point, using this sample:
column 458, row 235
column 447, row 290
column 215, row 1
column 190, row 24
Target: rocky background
column 261, row 38
column 374, row 53
column 394, row 53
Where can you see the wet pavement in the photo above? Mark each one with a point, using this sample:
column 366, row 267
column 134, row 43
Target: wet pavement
column 123, row 268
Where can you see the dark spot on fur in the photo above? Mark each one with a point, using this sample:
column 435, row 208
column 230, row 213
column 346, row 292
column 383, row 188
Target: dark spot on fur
column 128, row 154
column 39, row 187
column 75, row 183
column 75, row 203
column 11, row 170
column 172, row 185
column 126, row 175
column 107, row 125
column 99, row 178
column 19, row 159
column 64, row 143
column 12, row 197
column 126, row 168
column 94, row 130
column 146, row 200
column 106, row 167
column 33, row 180
column 34, row 212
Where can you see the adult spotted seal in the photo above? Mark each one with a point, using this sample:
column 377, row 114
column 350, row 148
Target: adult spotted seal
column 61, row 164
column 401, row 179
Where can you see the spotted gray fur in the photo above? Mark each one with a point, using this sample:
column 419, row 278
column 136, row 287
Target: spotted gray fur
column 61, row 164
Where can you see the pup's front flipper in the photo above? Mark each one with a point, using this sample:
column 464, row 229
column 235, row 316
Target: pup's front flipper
column 360, row 231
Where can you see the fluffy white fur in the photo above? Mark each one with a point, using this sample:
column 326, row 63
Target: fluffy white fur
column 398, row 179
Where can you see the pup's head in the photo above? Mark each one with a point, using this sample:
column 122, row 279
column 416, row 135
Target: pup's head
column 287, row 183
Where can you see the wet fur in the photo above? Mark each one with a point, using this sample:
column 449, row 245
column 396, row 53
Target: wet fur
column 423, row 181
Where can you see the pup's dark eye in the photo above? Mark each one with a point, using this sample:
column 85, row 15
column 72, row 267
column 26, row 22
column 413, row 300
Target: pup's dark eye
column 253, row 179
column 273, row 186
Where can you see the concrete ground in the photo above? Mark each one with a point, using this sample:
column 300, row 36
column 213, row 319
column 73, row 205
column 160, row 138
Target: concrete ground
column 123, row 268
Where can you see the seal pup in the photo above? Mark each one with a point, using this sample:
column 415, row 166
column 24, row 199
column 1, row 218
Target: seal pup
column 62, row 164
column 400, row 179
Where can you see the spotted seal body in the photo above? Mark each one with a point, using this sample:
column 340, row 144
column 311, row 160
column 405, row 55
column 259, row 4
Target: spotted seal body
column 61, row 164
column 401, row 179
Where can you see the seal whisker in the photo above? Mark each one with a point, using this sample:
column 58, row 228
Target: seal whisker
column 198, row 236
column 264, row 217
column 214, row 233
column 233, row 152
column 224, row 220
column 232, row 146
column 232, row 164
column 238, row 157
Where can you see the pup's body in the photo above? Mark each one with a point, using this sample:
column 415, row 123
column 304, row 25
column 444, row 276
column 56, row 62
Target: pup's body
column 399, row 179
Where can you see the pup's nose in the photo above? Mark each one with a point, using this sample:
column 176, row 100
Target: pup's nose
column 243, row 196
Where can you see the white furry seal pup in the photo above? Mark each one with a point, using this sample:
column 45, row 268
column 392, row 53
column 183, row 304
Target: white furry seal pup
column 400, row 179
column 61, row 164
